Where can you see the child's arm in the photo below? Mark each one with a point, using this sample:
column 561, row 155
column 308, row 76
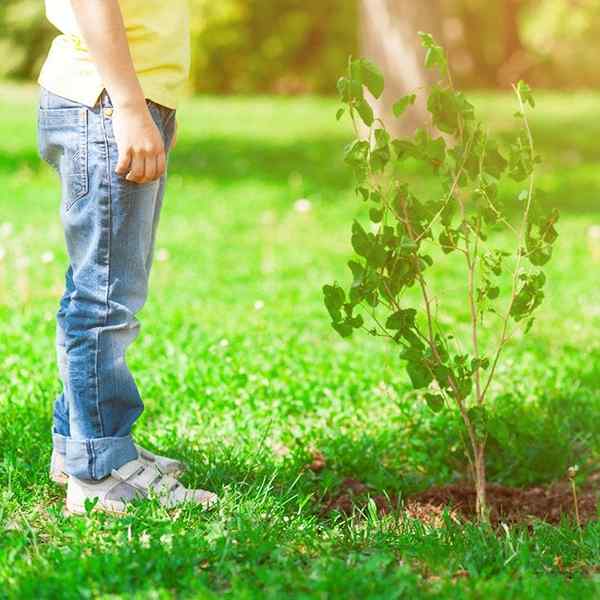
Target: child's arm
column 140, row 145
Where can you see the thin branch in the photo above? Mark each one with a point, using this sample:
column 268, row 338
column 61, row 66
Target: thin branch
column 523, row 231
column 427, row 301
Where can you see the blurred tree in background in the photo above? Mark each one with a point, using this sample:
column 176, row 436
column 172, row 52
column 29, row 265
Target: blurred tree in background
column 25, row 36
column 552, row 43
column 256, row 45
column 294, row 46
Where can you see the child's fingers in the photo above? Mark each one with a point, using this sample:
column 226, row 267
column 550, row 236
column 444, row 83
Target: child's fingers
column 137, row 169
column 123, row 163
column 150, row 168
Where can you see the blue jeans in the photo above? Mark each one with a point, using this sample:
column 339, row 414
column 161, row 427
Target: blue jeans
column 110, row 226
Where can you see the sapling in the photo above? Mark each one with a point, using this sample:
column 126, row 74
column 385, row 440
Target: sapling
column 412, row 232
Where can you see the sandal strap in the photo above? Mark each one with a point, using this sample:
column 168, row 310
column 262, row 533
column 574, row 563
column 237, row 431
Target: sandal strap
column 128, row 470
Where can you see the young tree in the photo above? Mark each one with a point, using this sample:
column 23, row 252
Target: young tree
column 411, row 234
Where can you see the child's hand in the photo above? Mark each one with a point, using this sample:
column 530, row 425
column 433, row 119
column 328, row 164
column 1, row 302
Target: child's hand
column 140, row 144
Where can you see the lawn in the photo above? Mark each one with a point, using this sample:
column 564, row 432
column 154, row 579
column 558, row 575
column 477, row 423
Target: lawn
column 244, row 379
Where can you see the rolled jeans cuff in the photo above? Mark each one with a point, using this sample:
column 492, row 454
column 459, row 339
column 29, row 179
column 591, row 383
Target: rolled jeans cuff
column 59, row 443
column 96, row 458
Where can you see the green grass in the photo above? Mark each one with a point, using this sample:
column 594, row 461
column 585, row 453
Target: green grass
column 243, row 378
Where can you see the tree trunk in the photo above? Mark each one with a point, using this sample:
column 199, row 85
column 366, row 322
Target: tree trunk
column 512, row 35
column 515, row 58
column 389, row 38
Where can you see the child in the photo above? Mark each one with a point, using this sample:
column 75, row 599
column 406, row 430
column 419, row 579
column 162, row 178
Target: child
column 106, row 122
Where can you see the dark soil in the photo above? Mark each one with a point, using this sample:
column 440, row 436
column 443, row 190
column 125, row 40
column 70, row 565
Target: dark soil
column 507, row 505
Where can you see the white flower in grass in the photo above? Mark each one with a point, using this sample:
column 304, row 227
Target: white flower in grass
column 162, row 255
column 6, row 230
column 303, row 205
column 145, row 539
column 22, row 263
column 224, row 343
column 167, row 540
column 259, row 305
column 268, row 217
column 47, row 257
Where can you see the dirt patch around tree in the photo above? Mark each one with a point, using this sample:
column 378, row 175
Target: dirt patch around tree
column 507, row 505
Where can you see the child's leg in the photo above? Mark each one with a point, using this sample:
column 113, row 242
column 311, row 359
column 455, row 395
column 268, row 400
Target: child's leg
column 60, row 421
column 109, row 227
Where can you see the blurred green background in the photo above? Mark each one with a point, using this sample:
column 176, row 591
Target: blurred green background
column 296, row 46
column 242, row 375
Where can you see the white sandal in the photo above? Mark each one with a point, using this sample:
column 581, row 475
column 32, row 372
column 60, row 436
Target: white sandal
column 135, row 480
column 168, row 466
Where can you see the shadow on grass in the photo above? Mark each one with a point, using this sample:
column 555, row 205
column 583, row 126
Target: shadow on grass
column 233, row 159
column 572, row 187
column 529, row 443
column 315, row 165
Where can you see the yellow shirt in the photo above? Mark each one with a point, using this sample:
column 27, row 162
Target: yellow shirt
column 158, row 35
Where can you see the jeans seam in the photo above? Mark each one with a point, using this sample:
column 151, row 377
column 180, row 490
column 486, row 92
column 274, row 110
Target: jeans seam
column 106, row 301
column 90, row 453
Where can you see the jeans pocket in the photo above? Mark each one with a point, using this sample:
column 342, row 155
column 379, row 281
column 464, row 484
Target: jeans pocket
column 63, row 144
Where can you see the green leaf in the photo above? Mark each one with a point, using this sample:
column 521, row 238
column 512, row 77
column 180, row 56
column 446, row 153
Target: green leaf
column 356, row 153
column 340, row 113
column 402, row 319
column 435, row 55
column 369, row 74
column 344, row 328
column 540, row 256
column 363, row 108
column 479, row 419
column 349, row 90
column 382, row 138
column 358, row 273
column 442, row 375
column 526, row 94
column 479, row 363
column 520, row 161
column 89, row 505
column 334, row 297
column 494, row 163
column 377, row 255
column 357, row 322
column 380, row 154
column 419, row 374
column 435, row 402
column 447, row 107
column 364, row 192
column 529, row 324
column 529, row 296
column 376, row 197
column 402, row 104
column 376, row 214
column 427, row 260
column 448, row 240
column 403, row 148
column 493, row 292
column 360, row 240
